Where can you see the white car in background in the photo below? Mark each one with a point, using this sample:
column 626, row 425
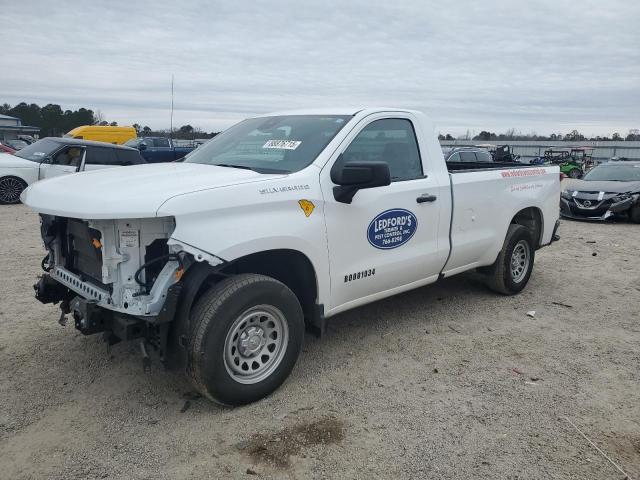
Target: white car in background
column 51, row 157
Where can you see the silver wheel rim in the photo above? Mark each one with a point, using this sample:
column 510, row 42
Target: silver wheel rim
column 10, row 190
column 520, row 261
column 255, row 344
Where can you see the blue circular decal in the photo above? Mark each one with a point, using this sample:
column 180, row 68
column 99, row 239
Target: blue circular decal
column 392, row 228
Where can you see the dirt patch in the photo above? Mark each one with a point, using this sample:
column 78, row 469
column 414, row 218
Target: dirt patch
column 624, row 447
column 275, row 449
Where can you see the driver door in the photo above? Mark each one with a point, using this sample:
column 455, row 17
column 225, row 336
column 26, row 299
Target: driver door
column 63, row 162
column 387, row 238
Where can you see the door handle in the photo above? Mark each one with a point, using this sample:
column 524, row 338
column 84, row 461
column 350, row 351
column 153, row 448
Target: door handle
column 426, row 198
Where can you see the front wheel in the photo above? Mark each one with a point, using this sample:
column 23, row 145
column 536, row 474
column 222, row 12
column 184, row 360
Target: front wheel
column 510, row 272
column 10, row 190
column 247, row 334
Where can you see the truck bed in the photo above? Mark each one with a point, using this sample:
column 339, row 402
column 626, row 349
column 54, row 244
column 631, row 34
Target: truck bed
column 485, row 197
column 455, row 167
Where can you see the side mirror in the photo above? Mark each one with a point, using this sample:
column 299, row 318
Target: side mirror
column 142, row 146
column 353, row 176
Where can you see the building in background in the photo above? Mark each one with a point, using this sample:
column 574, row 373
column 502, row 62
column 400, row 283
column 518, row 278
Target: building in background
column 11, row 128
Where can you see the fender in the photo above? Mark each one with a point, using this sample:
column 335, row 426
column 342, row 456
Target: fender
column 192, row 282
column 199, row 276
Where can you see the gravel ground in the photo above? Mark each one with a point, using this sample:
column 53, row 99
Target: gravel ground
column 447, row 381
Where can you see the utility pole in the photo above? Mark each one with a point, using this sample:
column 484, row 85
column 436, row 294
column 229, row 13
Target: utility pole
column 171, row 122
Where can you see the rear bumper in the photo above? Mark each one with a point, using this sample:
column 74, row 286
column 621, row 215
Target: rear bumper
column 554, row 235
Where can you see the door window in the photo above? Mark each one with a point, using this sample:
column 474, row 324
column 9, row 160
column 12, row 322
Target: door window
column 469, row 157
column 127, row 157
column 390, row 140
column 68, row 157
column 161, row 142
column 484, row 157
column 100, row 156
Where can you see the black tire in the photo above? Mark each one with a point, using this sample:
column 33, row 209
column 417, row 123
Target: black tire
column 500, row 276
column 575, row 173
column 216, row 316
column 634, row 213
column 10, row 190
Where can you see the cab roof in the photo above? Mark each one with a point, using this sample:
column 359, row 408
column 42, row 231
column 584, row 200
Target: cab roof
column 336, row 111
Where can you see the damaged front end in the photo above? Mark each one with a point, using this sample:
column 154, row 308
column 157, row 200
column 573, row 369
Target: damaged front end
column 585, row 205
column 118, row 277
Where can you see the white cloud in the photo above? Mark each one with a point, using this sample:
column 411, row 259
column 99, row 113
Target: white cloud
column 536, row 65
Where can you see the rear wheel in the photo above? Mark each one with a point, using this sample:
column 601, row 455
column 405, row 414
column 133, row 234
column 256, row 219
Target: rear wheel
column 247, row 334
column 10, row 190
column 510, row 272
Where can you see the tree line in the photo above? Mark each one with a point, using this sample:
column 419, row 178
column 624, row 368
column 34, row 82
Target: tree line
column 572, row 136
column 53, row 121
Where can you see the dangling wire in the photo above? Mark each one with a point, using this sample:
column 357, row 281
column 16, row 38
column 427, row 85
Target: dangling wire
column 46, row 266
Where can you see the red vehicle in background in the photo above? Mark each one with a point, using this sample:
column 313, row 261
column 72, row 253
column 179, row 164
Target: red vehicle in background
column 6, row 149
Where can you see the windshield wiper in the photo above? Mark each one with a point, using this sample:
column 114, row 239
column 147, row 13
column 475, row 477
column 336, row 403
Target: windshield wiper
column 229, row 165
column 254, row 169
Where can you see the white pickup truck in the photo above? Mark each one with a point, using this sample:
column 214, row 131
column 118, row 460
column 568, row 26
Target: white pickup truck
column 287, row 219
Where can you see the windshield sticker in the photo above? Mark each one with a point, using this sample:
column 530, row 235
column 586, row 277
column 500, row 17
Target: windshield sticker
column 38, row 154
column 282, row 144
column 392, row 228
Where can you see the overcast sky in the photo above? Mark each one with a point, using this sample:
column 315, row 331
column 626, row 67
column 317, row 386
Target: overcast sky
column 543, row 66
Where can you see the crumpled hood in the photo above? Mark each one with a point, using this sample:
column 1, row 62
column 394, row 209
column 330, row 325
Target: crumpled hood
column 604, row 186
column 129, row 192
column 8, row 160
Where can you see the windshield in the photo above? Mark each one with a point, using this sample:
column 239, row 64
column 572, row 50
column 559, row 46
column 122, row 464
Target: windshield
column 283, row 144
column 36, row 152
column 616, row 173
column 135, row 142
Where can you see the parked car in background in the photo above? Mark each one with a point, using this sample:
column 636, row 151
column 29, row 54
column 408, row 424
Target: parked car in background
column 16, row 144
column 6, row 149
column 500, row 153
column 609, row 190
column 468, row 155
column 27, row 138
column 51, row 157
column 100, row 133
column 159, row 149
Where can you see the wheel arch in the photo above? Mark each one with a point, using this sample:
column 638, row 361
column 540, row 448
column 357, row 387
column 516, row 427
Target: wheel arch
column 291, row 267
column 532, row 218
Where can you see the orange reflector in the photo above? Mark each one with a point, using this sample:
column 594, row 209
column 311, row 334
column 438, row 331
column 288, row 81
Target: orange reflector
column 96, row 243
column 179, row 274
